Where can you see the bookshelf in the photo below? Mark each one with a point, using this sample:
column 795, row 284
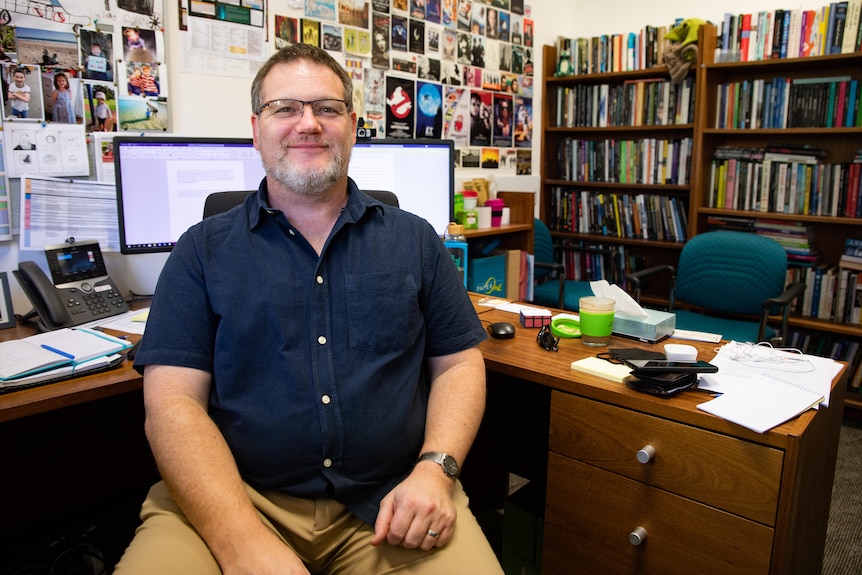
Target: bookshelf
column 812, row 77
column 617, row 153
column 571, row 119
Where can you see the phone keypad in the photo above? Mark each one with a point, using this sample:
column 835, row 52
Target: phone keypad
column 96, row 303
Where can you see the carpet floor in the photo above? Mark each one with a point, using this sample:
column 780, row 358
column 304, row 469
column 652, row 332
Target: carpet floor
column 843, row 552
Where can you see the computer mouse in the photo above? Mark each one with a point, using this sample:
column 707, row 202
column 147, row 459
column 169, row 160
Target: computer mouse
column 502, row 330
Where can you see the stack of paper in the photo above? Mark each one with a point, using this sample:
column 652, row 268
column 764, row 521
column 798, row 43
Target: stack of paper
column 762, row 403
column 763, row 387
column 51, row 354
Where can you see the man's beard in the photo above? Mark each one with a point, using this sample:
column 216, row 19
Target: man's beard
column 309, row 181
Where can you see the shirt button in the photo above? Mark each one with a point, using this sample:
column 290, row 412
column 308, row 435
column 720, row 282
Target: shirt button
column 291, row 232
column 321, row 340
column 326, row 399
column 320, row 279
column 327, row 462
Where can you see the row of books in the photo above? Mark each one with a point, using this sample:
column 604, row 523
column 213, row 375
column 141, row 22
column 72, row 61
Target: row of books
column 833, row 292
column 635, row 216
column 613, row 52
column 634, row 103
column 835, row 346
column 756, row 180
column 830, row 102
column 591, row 266
column 793, row 33
column 796, row 238
column 644, row 161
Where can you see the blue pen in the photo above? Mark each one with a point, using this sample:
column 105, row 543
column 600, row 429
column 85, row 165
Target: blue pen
column 55, row 350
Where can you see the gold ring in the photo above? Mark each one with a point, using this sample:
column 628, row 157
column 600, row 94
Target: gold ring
column 433, row 533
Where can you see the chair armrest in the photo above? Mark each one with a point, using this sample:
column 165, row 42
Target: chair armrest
column 633, row 280
column 549, row 266
column 791, row 293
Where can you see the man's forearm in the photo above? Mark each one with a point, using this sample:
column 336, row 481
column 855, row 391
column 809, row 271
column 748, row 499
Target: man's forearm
column 456, row 403
column 199, row 470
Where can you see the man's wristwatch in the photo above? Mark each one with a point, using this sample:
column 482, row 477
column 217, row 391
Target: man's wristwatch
column 447, row 462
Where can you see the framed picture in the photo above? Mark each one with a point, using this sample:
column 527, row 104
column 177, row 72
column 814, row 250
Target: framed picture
column 7, row 317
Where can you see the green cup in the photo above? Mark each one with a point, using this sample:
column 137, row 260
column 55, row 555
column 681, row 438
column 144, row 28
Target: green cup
column 597, row 320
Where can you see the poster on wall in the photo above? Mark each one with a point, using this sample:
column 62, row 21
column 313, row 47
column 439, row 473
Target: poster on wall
column 429, row 110
column 400, row 112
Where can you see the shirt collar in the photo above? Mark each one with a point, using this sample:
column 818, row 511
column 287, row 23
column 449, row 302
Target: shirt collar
column 357, row 204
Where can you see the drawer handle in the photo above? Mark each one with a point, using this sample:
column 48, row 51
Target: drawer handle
column 646, row 453
column 637, row 536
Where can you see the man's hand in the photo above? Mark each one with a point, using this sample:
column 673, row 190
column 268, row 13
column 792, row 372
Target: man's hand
column 420, row 503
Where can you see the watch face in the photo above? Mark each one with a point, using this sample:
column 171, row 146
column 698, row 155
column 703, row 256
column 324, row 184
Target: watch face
column 450, row 466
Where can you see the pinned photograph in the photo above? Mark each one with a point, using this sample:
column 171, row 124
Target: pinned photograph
column 64, row 104
column 97, row 53
column 139, row 45
column 100, row 112
column 22, row 98
column 47, row 47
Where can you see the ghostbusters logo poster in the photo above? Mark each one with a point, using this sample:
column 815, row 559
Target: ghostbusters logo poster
column 400, row 107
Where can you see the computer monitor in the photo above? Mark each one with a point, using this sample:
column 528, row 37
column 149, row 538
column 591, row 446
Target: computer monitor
column 420, row 172
column 162, row 182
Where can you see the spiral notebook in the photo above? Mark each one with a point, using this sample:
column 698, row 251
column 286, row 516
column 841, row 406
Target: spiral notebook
column 763, row 402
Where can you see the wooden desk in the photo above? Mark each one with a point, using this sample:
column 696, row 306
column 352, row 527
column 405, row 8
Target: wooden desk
column 715, row 499
column 71, row 444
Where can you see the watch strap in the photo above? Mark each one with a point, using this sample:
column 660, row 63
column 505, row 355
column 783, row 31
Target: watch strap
column 447, row 462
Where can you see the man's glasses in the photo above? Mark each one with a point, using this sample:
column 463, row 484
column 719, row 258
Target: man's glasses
column 285, row 109
column 547, row 340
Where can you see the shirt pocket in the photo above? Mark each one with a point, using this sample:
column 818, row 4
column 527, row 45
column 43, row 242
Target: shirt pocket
column 383, row 313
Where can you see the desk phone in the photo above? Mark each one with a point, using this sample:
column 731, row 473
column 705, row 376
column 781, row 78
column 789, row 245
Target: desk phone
column 81, row 290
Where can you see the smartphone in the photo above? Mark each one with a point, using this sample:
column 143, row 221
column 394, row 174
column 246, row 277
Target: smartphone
column 663, row 366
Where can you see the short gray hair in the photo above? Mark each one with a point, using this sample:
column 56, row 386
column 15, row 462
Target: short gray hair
column 295, row 52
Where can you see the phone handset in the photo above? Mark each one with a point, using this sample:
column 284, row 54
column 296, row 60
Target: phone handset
column 46, row 299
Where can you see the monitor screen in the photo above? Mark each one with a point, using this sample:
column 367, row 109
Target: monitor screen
column 420, row 172
column 162, row 182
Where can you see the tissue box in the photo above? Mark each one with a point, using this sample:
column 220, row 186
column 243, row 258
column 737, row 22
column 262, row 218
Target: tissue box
column 657, row 326
column 535, row 318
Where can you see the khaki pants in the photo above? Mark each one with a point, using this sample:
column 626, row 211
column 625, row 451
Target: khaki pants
column 167, row 544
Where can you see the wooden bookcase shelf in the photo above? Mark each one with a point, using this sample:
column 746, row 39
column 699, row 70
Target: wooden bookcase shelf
column 638, row 252
column 841, row 144
column 518, row 234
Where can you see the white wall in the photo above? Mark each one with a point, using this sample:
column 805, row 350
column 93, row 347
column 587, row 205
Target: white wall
column 219, row 106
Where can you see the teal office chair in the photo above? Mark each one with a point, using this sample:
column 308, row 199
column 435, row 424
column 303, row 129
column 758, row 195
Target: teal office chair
column 551, row 288
column 733, row 277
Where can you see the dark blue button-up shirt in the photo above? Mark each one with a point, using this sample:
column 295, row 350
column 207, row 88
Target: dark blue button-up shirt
column 317, row 362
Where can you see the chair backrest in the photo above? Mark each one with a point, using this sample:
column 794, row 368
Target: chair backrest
column 543, row 247
column 732, row 272
column 219, row 202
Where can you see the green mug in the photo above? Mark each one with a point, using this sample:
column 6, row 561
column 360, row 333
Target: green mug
column 597, row 320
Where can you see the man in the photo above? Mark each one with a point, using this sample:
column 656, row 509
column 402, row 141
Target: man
column 287, row 394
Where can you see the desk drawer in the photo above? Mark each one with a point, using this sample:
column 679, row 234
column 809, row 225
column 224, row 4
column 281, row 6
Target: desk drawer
column 725, row 472
column 590, row 513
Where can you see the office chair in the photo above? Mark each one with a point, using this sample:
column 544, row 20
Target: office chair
column 219, row 202
column 728, row 275
column 551, row 288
